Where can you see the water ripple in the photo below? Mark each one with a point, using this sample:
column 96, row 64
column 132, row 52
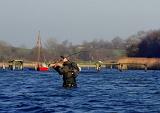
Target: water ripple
column 108, row 91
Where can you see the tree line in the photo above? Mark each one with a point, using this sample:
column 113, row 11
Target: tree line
column 97, row 49
column 142, row 44
column 147, row 44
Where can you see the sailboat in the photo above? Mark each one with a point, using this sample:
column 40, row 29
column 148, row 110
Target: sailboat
column 40, row 65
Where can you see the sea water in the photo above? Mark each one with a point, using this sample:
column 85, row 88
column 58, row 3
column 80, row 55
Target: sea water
column 107, row 91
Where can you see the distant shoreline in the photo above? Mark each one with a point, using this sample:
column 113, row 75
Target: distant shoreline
column 150, row 63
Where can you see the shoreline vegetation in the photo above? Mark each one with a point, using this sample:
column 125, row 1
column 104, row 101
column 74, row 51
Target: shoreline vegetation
column 125, row 63
column 139, row 51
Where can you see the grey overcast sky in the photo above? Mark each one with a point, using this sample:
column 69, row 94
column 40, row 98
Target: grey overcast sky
column 75, row 20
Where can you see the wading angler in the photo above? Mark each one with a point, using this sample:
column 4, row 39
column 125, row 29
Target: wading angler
column 69, row 70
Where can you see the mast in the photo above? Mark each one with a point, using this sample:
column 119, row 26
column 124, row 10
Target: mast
column 40, row 66
column 38, row 47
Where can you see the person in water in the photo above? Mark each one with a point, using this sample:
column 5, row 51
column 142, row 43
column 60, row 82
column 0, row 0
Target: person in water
column 69, row 70
column 98, row 65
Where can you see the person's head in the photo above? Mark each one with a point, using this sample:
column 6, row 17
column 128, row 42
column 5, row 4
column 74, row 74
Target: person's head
column 64, row 59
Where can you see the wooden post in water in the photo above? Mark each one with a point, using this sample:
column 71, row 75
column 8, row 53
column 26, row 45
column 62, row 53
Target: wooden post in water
column 145, row 67
column 120, row 67
column 3, row 66
column 111, row 66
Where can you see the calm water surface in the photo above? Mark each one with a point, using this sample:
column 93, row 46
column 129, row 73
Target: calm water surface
column 108, row 91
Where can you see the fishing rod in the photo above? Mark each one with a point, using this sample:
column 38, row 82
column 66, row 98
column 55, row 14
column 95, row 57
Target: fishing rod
column 80, row 52
column 60, row 60
column 76, row 53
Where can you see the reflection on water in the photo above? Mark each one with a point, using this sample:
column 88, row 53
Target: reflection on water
column 108, row 91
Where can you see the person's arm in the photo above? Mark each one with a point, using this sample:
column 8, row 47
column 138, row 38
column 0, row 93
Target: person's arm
column 58, row 68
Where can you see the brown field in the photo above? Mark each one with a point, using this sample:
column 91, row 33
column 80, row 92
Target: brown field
column 141, row 63
column 148, row 61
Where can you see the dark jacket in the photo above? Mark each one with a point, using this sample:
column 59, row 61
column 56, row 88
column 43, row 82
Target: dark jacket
column 69, row 71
